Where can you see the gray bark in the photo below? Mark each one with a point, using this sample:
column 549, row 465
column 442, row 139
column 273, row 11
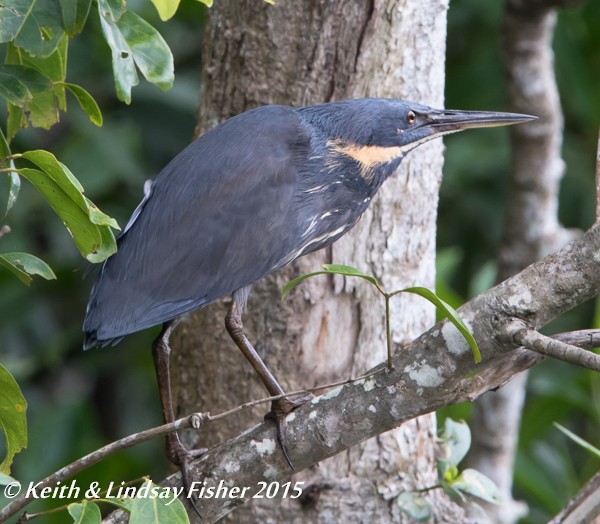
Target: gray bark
column 300, row 54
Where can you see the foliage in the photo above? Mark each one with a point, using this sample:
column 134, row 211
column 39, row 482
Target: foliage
column 13, row 420
column 33, row 84
column 578, row 440
column 464, row 486
column 443, row 307
column 151, row 503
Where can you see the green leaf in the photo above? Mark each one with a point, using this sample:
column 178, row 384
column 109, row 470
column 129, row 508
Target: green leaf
column 53, row 66
column 122, row 59
column 330, row 269
column 150, row 52
column 578, row 440
column 124, row 503
column 74, row 15
column 454, row 494
column 18, row 83
column 5, row 479
column 48, row 163
column 449, row 312
column 111, row 9
column 476, row 484
column 4, row 149
column 15, row 121
column 15, row 270
column 133, row 41
column 293, row 283
column 95, row 242
column 208, row 3
column 12, row 15
column 61, row 174
column 42, row 108
column 455, row 441
column 415, row 506
column 150, row 508
column 349, row 271
column 14, row 182
column 99, row 218
column 166, row 8
column 86, row 102
column 85, row 512
column 23, row 265
column 34, row 25
column 13, row 419
column 14, row 186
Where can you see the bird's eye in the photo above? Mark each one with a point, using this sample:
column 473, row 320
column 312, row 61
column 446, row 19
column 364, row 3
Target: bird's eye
column 411, row 118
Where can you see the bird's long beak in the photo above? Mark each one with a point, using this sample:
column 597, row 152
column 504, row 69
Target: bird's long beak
column 444, row 121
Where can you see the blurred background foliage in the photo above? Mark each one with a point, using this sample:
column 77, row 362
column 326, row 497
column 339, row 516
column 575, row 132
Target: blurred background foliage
column 79, row 401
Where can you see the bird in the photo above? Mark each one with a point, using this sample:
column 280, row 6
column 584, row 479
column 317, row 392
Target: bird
column 244, row 199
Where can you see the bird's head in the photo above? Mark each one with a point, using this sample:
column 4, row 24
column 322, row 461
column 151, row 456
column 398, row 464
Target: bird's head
column 376, row 131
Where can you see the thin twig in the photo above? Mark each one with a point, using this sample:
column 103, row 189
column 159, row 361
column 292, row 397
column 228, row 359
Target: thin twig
column 551, row 347
column 193, row 421
column 388, row 332
column 584, row 338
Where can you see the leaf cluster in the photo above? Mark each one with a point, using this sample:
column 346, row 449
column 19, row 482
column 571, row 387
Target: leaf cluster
column 445, row 309
column 464, row 486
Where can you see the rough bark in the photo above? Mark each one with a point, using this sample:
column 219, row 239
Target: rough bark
column 299, row 54
column 531, row 226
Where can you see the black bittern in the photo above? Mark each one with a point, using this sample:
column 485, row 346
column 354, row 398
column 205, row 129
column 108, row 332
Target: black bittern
column 246, row 198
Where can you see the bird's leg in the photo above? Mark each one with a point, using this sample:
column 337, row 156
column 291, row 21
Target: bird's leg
column 176, row 451
column 280, row 408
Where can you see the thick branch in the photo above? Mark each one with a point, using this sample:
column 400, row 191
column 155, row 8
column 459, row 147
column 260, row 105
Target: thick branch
column 435, row 370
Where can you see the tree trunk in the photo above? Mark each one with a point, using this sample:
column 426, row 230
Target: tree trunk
column 328, row 329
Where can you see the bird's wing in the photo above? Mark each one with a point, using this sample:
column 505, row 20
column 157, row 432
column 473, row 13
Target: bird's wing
column 218, row 218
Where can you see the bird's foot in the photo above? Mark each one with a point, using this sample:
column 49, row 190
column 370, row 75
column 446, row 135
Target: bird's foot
column 182, row 457
column 280, row 409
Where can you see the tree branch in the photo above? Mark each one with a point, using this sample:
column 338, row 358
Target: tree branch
column 551, row 347
column 586, row 339
column 192, row 421
column 435, row 370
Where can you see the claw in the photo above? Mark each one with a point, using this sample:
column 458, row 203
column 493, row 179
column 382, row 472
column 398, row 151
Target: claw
column 182, row 457
column 280, row 409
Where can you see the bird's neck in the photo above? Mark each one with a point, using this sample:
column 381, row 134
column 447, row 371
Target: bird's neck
column 372, row 164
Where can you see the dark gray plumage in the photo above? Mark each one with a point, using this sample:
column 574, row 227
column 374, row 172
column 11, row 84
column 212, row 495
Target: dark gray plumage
column 251, row 195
